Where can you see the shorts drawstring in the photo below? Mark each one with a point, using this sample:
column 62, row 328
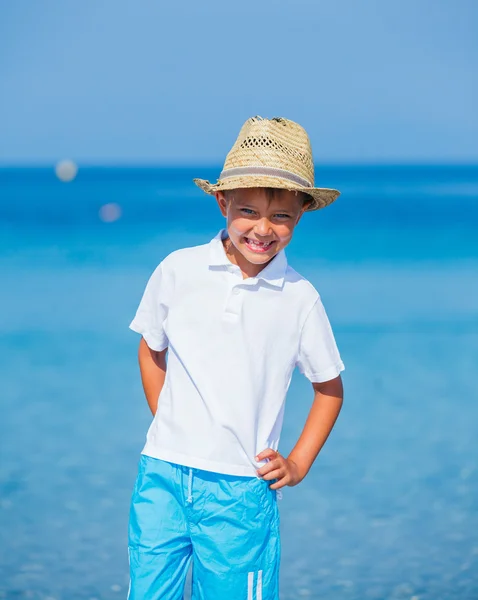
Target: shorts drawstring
column 190, row 487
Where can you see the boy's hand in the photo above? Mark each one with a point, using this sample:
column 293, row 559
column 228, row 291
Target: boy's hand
column 283, row 469
column 328, row 398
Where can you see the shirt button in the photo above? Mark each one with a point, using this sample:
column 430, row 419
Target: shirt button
column 236, row 291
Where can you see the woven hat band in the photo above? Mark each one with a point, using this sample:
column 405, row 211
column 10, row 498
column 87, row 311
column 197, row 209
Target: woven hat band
column 268, row 171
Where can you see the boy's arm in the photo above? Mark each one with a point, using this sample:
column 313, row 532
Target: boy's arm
column 152, row 365
column 325, row 409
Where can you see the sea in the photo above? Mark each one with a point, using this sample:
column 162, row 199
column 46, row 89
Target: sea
column 389, row 510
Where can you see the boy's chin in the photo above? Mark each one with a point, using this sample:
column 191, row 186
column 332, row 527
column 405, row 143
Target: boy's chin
column 257, row 258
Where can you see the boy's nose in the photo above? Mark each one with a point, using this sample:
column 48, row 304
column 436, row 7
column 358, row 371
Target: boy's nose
column 263, row 227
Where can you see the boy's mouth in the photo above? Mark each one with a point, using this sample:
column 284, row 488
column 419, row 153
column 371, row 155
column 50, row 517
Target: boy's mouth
column 256, row 246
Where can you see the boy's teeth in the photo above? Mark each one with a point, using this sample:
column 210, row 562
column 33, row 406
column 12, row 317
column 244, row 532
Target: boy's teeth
column 256, row 243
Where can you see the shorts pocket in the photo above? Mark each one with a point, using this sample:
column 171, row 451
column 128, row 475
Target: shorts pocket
column 265, row 496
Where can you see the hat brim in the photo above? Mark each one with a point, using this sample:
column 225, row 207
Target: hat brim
column 321, row 197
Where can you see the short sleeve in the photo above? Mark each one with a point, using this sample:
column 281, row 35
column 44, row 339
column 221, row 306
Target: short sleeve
column 152, row 312
column 318, row 357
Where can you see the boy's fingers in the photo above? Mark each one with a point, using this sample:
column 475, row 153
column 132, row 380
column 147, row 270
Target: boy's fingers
column 280, row 483
column 270, row 466
column 276, row 474
column 267, row 453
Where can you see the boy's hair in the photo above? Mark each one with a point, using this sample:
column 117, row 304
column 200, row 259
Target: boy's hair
column 271, row 193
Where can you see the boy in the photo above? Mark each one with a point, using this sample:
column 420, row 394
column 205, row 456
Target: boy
column 235, row 320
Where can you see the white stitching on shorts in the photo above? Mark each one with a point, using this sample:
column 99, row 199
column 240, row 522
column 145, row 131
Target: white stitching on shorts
column 250, row 583
column 259, row 586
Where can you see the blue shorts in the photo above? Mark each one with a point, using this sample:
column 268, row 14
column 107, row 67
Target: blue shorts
column 227, row 525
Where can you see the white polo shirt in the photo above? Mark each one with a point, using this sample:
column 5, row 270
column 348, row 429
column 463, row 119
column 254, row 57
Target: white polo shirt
column 233, row 345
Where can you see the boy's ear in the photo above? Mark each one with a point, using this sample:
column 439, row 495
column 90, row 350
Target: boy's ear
column 222, row 203
column 302, row 211
column 307, row 201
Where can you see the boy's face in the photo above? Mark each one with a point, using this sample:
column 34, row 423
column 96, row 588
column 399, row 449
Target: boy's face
column 260, row 225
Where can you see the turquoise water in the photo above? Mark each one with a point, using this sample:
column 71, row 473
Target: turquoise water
column 389, row 510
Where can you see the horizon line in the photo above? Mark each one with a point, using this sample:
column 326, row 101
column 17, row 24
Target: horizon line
column 186, row 166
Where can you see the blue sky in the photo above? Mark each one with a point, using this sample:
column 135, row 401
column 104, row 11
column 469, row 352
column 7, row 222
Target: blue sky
column 117, row 82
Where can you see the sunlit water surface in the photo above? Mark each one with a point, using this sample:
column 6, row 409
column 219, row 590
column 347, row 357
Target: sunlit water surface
column 388, row 511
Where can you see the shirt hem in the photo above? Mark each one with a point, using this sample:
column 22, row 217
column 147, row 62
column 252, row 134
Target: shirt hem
column 327, row 375
column 198, row 463
column 153, row 342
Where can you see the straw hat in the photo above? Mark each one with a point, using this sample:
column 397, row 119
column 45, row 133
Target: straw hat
column 273, row 153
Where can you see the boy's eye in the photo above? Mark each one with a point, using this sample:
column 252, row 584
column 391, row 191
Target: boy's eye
column 249, row 211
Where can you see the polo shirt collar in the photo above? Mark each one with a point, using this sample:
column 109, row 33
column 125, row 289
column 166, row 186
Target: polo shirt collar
column 273, row 273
